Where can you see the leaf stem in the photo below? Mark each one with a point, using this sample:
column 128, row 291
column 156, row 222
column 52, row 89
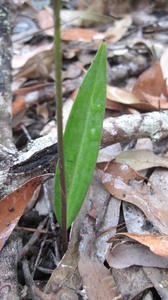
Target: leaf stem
column 58, row 69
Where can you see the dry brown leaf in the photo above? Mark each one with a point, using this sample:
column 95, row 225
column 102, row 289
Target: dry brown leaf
column 126, row 254
column 30, row 89
column 13, row 206
column 120, row 27
column 28, row 52
column 158, row 102
column 78, row 34
column 135, row 220
column 112, row 105
column 18, row 105
column 63, row 293
column 150, row 82
column 37, row 66
column 123, row 183
column 83, row 17
column 158, row 244
column 109, row 153
column 119, row 95
column 25, row 97
column 98, row 280
column 115, row 170
column 45, row 20
column 142, row 159
column 132, row 282
column 76, row 17
column 159, row 278
column 163, row 65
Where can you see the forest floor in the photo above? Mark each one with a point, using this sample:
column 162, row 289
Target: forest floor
column 118, row 245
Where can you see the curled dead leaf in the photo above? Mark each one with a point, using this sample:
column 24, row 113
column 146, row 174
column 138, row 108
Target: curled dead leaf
column 158, row 244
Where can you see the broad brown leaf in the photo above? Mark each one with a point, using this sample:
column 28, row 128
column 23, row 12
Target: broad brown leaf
column 123, row 183
column 13, row 206
column 158, row 244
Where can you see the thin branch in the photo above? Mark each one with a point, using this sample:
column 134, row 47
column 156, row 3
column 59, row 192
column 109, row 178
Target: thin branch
column 58, row 69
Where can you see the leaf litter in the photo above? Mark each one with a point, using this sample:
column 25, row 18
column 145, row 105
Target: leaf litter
column 128, row 195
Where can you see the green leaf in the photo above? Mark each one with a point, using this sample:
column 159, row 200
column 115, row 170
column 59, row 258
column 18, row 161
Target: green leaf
column 82, row 138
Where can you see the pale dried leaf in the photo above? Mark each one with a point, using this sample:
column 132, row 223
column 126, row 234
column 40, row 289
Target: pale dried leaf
column 159, row 278
column 121, row 96
column 98, row 280
column 132, row 282
column 45, row 20
column 142, row 159
column 120, row 27
column 164, row 63
column 76, row 17
column 109, row 153
column 124, row 255
column 135, row 220
column 158, row 244
column 108, row 227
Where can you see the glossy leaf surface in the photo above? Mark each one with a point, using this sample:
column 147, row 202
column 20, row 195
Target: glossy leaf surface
column 82, row 138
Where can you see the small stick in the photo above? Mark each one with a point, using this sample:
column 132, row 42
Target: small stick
column 45, row 270
column 28, row 278
column 39, row 255
column 32, row 240
column 27, row 275
column 31, row 229
column 26, row 133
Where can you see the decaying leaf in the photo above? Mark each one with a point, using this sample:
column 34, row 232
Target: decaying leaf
column 132, row 282
column 114, row 170
column 159, row 278
column 150, row 82
column 142, row 159
column 28, row 52
column 74, row 17
column 77, row 17
column 124, row 255
column 37, row 66
column 135, row 220
column 118, row 95
column 123, row 183
column 109, row 153
column 45, row 20
column 163, row 65
column 78, row 34
column 158, row 244
column 117, row 31
column 98, row 280
column 156, row 101
column 112, row 105
column 109, row 221
column 13, row 206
